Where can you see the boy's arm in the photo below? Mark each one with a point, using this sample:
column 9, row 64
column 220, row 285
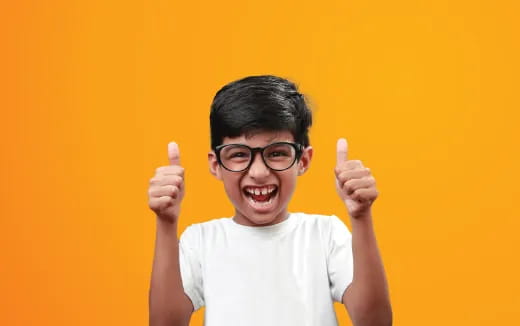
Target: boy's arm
column 168, row 303
column 366, row 298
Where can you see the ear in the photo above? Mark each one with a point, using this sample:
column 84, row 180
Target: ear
column 305, row 160
column 214, row 167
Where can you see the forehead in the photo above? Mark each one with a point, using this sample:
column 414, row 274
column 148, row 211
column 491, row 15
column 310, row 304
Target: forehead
column 260, row 138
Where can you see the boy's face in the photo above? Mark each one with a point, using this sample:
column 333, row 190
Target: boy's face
column 279, row 185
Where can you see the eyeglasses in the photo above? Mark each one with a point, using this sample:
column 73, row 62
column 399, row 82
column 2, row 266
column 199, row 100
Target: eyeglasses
column 276, row 156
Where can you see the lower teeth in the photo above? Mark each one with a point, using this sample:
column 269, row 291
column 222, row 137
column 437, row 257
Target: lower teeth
column 263, row 203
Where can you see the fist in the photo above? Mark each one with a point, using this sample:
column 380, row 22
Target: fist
column 167, row 187
column 354, row 183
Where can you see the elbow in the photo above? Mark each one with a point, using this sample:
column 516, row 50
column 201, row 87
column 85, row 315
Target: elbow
column 162, row 315
column 379, row 314
column 166, row 319
column 384, row 316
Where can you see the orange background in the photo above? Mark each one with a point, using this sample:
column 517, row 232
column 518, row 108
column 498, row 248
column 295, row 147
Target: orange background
column 92, row 91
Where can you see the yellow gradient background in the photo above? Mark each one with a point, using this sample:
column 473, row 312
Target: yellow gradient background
column 91, row 92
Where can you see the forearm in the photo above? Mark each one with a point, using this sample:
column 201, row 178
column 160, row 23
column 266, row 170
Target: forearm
column 166, row 283
column 370, row 299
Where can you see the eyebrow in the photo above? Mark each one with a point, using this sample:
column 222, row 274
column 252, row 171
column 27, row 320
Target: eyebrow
column 273, row 142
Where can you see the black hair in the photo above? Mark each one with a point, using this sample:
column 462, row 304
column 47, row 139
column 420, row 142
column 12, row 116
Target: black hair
column 259, row 103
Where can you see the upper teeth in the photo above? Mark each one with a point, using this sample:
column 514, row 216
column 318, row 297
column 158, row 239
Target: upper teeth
column 258, row 191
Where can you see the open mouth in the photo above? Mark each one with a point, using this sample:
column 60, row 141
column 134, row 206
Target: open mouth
column 260, row 196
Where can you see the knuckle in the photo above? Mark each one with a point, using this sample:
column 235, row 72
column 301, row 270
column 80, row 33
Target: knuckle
column 164, row 202
column 348, row 187
column 342, row 166
column 177, row 180
column 163, row 198
column 355, row 194
column 354, row 163
column 174, row 191
column 346, row 175
column 154, row 204
column 152, row 191
column 166, row 181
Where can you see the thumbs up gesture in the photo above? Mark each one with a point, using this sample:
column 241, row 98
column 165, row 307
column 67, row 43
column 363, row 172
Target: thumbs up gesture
column 354, row 183
column 167, row 187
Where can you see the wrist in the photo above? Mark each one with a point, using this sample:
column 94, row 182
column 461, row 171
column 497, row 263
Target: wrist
column 365, row 213
column 166, row 224
column 361, row 219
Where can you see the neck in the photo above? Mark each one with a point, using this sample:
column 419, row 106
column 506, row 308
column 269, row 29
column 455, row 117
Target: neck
column 261, row 220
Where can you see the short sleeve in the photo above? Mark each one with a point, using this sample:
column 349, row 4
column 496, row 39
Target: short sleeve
column 340, row 263
column 190, row 266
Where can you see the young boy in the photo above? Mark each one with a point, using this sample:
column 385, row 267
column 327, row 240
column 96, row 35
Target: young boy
column 265, row 266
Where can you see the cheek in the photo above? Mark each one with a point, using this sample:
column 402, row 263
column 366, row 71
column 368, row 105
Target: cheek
column 289, row 182
column 232, row 184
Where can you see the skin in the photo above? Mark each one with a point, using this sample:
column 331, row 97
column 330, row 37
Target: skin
column 166, row 189
column 366, row 299
column 165, row 193
column 259, row 174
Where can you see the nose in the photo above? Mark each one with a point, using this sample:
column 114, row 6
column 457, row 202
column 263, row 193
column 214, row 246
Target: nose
column 258, row 169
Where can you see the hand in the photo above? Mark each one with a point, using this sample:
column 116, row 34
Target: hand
column 167, row 187
column 354, row 183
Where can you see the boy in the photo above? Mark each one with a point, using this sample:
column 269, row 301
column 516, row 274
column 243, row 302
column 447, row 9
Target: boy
column 265, row 266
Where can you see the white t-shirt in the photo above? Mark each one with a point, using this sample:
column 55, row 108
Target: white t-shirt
column 285, row 274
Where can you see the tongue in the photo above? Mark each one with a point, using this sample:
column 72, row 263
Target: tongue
column 260, row 197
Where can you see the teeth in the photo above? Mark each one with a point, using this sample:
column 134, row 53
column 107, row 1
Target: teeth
column 254, row 202
column 262, row 191
column 258, row 191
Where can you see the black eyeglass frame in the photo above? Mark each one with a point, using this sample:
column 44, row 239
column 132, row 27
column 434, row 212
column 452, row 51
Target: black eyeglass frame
column 298, row 148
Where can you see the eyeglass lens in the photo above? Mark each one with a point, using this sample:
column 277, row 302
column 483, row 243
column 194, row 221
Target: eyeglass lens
column 276, row 156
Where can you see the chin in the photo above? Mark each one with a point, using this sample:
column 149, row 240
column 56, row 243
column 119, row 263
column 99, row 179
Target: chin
column 263, row 219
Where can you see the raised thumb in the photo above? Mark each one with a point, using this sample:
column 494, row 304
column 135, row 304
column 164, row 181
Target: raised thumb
column 173, row 154
column 341, row 151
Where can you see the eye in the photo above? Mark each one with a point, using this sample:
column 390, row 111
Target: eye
column 235, row 153
column 238, row 154
column 278, row 154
